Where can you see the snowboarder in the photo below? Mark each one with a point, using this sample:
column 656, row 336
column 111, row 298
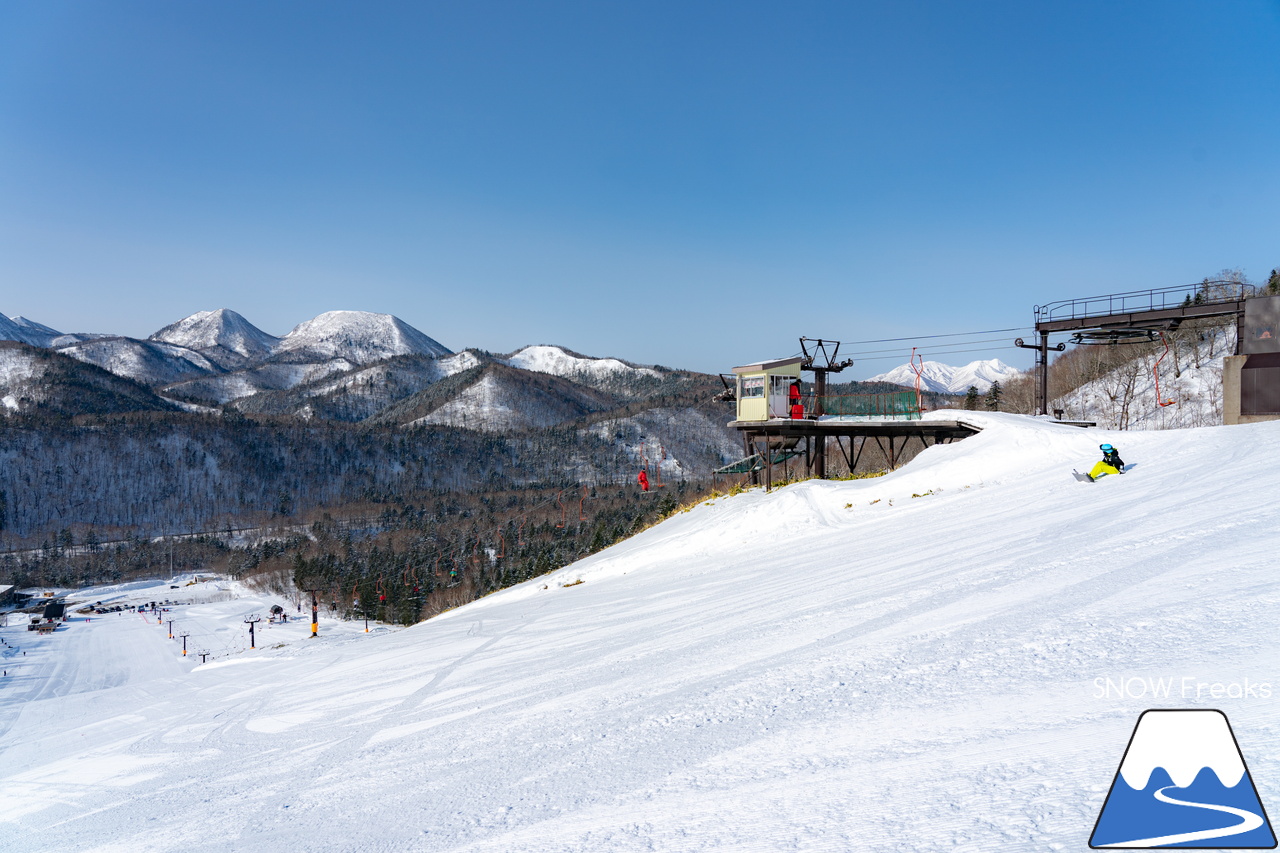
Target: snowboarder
column 644, row 481
column 1111, row 463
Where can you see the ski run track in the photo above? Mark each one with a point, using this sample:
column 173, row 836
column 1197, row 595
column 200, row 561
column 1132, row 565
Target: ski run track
column 835, row 666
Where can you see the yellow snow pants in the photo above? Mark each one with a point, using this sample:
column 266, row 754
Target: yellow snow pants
column 1103, row 468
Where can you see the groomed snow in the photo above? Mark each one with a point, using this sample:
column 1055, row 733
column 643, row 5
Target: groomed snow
column 911, row 663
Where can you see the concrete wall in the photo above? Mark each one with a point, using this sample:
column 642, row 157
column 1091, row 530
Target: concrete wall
column 1231, row 367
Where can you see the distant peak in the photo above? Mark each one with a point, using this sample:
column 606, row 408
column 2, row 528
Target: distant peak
column 222, row 328
column 360, row 336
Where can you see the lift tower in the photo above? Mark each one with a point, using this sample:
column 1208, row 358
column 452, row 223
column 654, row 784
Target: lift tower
column 821, row 363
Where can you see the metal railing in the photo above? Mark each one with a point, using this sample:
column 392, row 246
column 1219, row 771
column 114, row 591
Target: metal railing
column 1200, row 293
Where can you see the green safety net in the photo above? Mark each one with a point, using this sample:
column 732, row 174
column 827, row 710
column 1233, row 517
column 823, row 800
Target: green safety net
column 894, row 405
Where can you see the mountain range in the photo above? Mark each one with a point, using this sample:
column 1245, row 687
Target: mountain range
column 945, row 379
column 357, row 368
column 341, row 365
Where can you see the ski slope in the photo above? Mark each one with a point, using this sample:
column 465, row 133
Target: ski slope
column 830, row 667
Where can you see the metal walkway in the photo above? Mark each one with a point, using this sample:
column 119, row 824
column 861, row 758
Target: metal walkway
column 1163, row 308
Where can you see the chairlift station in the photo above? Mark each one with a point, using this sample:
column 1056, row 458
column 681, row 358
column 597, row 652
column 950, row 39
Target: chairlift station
column 773, row 432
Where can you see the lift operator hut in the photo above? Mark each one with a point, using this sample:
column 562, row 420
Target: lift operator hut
column 762, row 389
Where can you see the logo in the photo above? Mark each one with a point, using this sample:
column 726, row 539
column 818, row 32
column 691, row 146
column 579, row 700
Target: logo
column 1183, row 783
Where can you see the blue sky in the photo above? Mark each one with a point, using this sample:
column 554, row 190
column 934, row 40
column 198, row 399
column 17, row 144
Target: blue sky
column 695, row 184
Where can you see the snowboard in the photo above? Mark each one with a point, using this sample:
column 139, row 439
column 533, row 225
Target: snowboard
column 1085, row 478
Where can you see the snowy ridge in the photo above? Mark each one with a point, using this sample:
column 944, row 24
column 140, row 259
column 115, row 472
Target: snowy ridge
column 1183, row 743
column 272, row 376
column 358, row 393
column 25, row 331
column 945, row 379
column 149, row 362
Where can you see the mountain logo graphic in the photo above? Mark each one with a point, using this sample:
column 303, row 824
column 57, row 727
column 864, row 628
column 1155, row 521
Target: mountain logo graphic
column 1183, row 783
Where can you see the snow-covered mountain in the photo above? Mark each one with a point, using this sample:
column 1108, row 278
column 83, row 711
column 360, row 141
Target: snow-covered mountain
column 559, row 361
column 356, row 366
column 217, row 356
column 946, row 379
column 222, row 336
column 358, row 336
column 764, row 672
column 499, row 398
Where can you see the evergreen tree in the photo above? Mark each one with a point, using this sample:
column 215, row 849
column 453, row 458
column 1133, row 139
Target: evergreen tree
column 1273, row 283
column 971, row 399
column 993, row 397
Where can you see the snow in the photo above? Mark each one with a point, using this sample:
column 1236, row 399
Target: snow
column 16, row 365
column 904, row 663
column 556, row 361
column 453, row 364
column 946, row 379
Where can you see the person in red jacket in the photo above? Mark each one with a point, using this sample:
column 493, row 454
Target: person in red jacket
column 793, row 396
column 644, row 481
